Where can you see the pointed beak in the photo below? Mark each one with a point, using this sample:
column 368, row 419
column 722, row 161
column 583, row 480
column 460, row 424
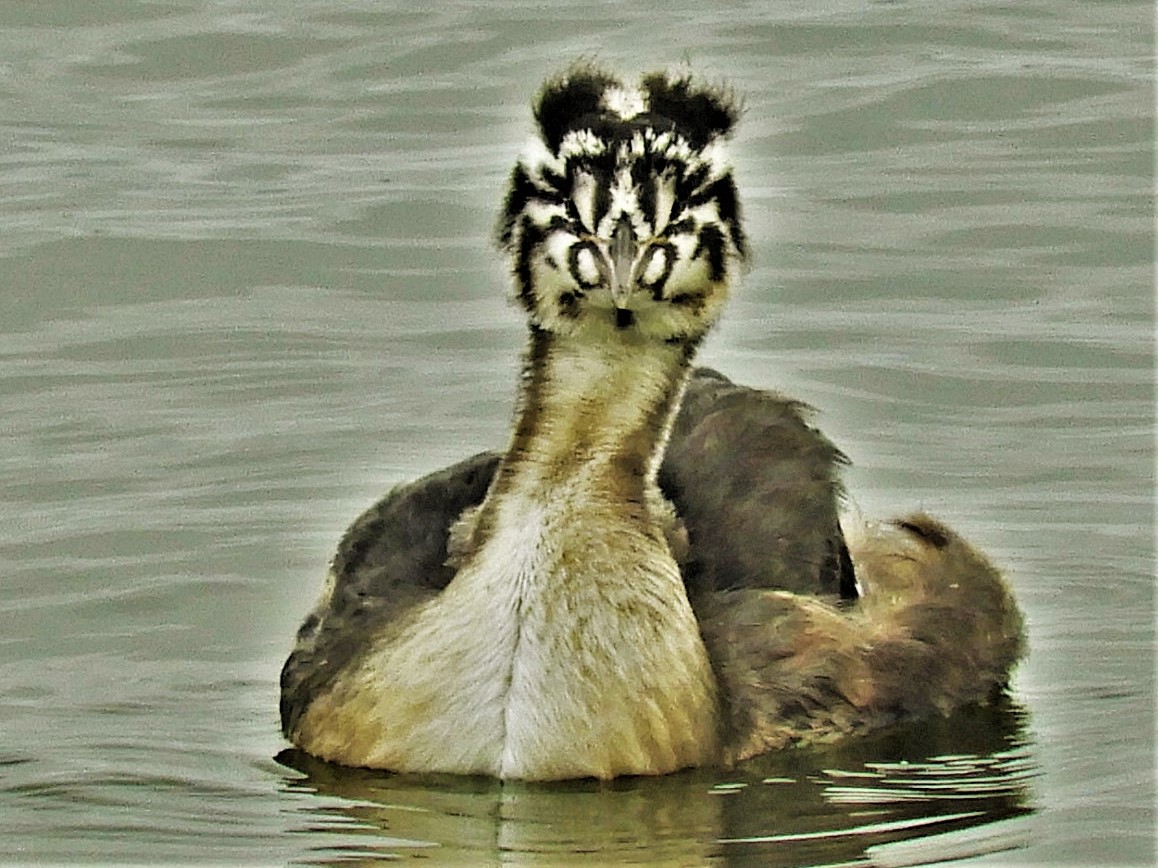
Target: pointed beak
column 623, row 250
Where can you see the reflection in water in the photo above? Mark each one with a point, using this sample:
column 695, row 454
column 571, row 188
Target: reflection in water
column 914, row 794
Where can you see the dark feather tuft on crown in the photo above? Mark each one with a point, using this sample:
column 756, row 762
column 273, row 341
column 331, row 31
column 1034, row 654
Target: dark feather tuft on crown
column 577, row 99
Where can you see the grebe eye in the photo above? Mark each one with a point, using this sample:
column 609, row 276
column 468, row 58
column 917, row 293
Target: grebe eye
column 585, row 265
column 655, row 267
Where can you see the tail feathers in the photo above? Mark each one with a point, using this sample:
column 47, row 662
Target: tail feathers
column 936, row 628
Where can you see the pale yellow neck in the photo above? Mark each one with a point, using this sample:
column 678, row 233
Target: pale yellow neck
column 565, row 646
column 593, row 417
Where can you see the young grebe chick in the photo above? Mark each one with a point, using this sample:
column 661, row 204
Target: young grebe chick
column 652, row 575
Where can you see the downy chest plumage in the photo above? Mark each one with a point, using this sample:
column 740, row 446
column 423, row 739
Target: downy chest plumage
column 565, row 646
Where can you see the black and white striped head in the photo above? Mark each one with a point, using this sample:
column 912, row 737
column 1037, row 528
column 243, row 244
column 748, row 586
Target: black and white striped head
column 623, row 212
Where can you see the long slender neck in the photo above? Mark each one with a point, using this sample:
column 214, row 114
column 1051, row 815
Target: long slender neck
column 593, row 416
column 566, row 644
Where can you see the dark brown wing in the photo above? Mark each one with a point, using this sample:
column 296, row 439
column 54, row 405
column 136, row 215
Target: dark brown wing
column 391, row 558
column 758, row 490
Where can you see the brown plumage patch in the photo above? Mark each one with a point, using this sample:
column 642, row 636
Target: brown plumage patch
column 937, row 629
column 757, row 488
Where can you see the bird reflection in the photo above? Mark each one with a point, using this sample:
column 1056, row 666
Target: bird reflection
column 857, row 801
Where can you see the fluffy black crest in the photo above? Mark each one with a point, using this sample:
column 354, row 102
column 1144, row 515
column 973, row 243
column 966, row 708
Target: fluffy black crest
column 700, row 114
column 569, row 99
column 576, row 99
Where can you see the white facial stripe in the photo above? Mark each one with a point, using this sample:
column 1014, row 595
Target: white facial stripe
column 623, row 201
column 538, row 162
column 581, row 143
column 627, row 102
column 715, row 157
column 674, row 147
column 586, row 268
column 537, row 158
column 654, row 266
column 664, row 202
column 542, row 213
column 685, row 244
column 702, row 215
column 559, row 248
column 583, row 195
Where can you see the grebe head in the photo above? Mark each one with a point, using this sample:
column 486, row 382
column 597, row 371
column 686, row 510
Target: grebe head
column 622, row 214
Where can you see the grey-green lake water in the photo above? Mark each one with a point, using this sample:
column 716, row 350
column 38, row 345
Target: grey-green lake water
column 246, row 285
